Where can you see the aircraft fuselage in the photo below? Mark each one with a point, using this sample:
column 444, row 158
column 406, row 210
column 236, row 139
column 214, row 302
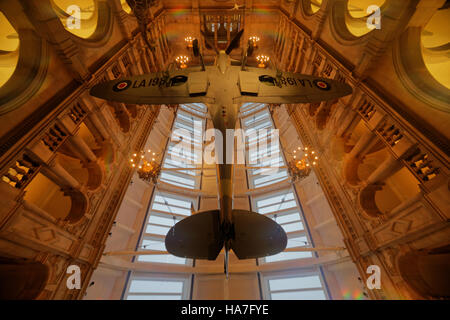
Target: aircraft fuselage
column 223, row 79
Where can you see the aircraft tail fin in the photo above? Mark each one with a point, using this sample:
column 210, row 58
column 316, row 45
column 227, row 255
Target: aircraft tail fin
column 197, row 237
column 256, row 235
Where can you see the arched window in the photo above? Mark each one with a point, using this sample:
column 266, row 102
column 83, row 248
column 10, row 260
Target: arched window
column 435, row 40
column 9, row 49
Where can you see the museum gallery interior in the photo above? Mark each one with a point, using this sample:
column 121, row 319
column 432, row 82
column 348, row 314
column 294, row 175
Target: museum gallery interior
column 91, row 188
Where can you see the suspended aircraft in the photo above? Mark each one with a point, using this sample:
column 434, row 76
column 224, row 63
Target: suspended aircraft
column 223, row 87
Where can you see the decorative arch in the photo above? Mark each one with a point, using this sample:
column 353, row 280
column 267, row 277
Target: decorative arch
column 339, row 29
column 29, row 74
column 99, row 24
column 350, row 171
column 9, row 49
column 367, row 202
column 65, row 204
column 413, row 73
column 79, row 207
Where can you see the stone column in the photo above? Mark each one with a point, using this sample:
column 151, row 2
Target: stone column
column 349, row 121
column 363, row 144
column 77, row 143
column 96, row 127
column 55, row 172
column 387, row 168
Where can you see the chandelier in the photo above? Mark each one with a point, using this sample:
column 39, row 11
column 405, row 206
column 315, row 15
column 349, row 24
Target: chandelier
column 189, row 41
column 262, row 59
column 255, row 41
column 182, row 60
column 147, row 170
column 300, row 167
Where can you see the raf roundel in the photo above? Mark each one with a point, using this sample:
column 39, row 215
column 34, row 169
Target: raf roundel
column 122, row 85
column 322, row 85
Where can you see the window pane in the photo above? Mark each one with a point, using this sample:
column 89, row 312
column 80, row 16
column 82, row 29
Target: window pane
column 288, row 218
column 153, row 245
column 173, row 201
column 295, row 283
column 278, row 207
column 143, row 286
column 169, row 221
column 297, row 242
column 157, row 229
column 275, row 199
column 291, row 227
column 162, row 258
column 299, row 295
column 170, row 209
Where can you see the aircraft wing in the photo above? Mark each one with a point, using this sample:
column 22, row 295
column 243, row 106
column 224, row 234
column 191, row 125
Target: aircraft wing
column 263, row 85
column 181, row 86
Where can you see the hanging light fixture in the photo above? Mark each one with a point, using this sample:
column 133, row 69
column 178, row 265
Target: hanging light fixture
column 255, row 40
column 182, row 60
column 189, row 40
column 262, row 59
column 301, row 164
column 148, row 170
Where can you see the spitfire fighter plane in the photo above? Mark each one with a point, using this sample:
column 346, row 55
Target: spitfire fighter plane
column 223, row 87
